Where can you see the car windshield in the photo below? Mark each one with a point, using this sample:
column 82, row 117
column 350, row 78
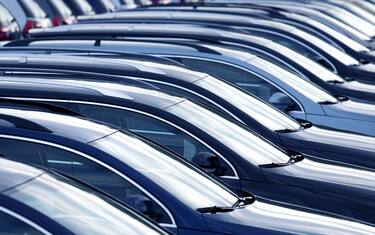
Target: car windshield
column 267, row 115
column 79, row 209
column 339, row 55
column 62, row 8
column 84, row 7
column 348, row 18
column 33, row 10
column 311, row 66
column 304, row 87
column 248, row 145
column 321, row 17
column 191, row 186
column 333, row 33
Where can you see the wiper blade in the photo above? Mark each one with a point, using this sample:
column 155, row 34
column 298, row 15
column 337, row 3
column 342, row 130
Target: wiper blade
column 327, row 102
column 293, row 159
column 286, row 130
column 215, row 209
column 335, row 82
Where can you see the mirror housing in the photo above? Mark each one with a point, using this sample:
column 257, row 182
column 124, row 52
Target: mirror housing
column 209, row 162
column 282, row 102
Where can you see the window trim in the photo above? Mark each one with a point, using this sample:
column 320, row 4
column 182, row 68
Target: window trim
column 24, row 219
column 61, row 147
column 236, row 177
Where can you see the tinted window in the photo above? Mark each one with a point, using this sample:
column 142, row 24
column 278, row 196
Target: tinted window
column 10, row 225
column 85, row 170
column 164, row 134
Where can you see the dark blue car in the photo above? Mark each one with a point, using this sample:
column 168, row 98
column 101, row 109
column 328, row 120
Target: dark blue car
column 337, row 61
column 162, row 186
column 34, row 201
column 265, row 120
column 232, row 152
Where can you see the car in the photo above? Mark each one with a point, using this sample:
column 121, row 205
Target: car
column 179, row 196
column 80, row 7
column 337, row 109
column 237, row 155
column 58, row 12
column 39, row 201
column 299, row 136
column 333, row 59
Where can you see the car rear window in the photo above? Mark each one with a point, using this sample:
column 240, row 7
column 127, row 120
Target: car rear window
column 32, row 9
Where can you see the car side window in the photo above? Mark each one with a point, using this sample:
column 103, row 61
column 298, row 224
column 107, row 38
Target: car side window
column 85, row 170
column 11, row 225
column 155, row 130
column 244, row 79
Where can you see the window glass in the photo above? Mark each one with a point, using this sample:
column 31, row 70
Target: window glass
column 32, row 9
column 244, row 79
column 311, row 66
column 333, row 33
column 86, row 171
column 245, row 143
column 78, row 208
column 190, row 185
column 10, row 225
column 159, row 132
column 296, row 47
column 61, row 7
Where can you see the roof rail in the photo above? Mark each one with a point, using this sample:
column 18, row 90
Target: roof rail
column 10, row 70
column 23, row 123
column 36, row 105
column 23, row 43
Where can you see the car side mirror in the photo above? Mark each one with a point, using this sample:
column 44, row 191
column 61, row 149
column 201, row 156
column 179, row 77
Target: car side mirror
column 282, row 102
column 143, row 205
column 210, row 163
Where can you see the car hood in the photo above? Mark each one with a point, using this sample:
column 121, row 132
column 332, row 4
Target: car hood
column 266, row 218
column 351, row 110
column 324, row 176
column 365, row 68
column 359, row 86
column 335, row 145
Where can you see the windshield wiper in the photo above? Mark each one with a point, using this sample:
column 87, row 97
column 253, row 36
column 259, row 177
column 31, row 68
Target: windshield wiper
column 215, row 209
column 335, row 82
column 286, row 130
column 296, row 157
column 241, row 202
column 327, row 102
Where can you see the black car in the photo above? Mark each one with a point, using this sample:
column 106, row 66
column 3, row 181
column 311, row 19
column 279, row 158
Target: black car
column 102, row 6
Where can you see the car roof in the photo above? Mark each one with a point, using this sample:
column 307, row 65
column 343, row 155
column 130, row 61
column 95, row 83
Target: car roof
column 41, row 87
column 150, row 46
column 71, row 127
column 14, row 173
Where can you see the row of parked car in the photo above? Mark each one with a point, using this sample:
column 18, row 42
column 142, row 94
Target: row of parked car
column 217, row 117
